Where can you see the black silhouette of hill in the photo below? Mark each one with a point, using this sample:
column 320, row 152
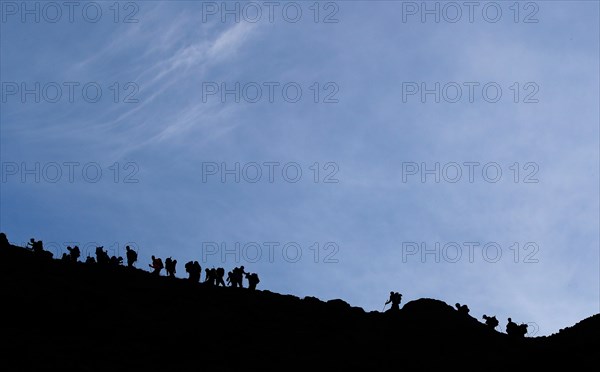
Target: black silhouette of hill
column 86, row 317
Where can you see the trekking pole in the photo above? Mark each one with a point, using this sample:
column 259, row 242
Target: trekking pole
column 384, row 307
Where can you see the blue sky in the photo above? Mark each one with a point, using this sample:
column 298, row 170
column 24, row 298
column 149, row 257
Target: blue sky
column 533, row 233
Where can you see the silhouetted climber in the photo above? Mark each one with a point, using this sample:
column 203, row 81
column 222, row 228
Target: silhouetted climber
column 102, row 257
column 131, row 256
column 522, row 330
column 238, row 276
column 33, row 245
column 252, row 280
column 207, row 276
column 116, row 261
column 4, row 241
column 170, row 267
column 211, row 276
column 510, row 327
column 197, row 271
column 90, row 260
column 230, row 280
column 462, row 309
column 74, row 253
column 157, row 265
column 194, row 270
column 514, row 330
column 219, row 274
column 38, row 248
column 395, row 299
column 491, row 321
column 189, row 269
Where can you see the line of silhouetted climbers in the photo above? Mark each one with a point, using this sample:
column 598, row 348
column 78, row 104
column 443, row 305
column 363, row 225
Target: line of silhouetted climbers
column 512, row 329
column 213, row 277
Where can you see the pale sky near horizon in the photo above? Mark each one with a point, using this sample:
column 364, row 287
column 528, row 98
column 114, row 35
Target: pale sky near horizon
column 339, row 149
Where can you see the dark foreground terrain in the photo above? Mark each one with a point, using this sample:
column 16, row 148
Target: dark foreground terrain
column 86, row 317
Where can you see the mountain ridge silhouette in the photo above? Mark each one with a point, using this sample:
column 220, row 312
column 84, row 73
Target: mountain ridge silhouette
column 90, row 317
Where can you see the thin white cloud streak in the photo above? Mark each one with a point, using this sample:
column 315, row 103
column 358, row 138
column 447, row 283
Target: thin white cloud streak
column 159, row 76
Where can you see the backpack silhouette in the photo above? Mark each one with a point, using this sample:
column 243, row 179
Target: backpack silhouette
column 132, row 256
